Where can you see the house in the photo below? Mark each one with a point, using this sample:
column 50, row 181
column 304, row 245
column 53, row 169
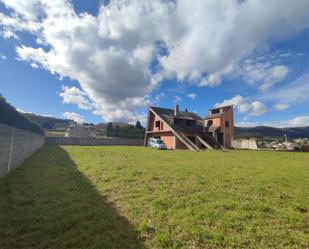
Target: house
column 187, row 130
column 78, row 131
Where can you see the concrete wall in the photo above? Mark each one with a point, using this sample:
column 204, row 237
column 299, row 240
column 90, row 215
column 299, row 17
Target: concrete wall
column 244, row 144
column 15, row 146
column 94, row 141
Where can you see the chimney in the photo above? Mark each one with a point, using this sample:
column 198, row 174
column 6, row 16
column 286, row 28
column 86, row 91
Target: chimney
column 176, row 110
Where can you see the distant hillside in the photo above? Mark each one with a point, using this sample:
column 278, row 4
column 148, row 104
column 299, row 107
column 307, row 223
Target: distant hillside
column 51, row 123
column 10, row 116
column 48, row 123
column 265, row 131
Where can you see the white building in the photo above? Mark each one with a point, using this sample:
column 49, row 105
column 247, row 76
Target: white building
column 245, row 144
column 78, row 131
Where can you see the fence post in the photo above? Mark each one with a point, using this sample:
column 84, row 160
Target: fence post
column 11, row 150
column 26, row 145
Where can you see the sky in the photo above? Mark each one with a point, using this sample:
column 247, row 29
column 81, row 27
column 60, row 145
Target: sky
column 100, row 61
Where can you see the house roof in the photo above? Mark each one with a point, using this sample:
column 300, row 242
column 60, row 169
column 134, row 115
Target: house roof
column 167, row 115
column 224, row 106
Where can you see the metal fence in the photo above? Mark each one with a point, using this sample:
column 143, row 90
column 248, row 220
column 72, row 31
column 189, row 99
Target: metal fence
column 15, row 146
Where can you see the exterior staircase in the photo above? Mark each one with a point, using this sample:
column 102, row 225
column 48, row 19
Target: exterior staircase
column 208, row 141
column 202, row 141
column 211, row 142
column 190, row 145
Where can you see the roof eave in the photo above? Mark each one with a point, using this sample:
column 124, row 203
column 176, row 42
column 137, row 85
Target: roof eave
column 220, row 107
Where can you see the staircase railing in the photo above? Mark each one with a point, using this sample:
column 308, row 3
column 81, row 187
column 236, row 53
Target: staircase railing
column 202, row 141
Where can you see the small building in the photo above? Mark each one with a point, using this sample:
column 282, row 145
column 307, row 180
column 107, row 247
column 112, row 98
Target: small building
column 187, row 130
column 287, row 146
column 78, row 131
column 250, row 144
column 253, row 143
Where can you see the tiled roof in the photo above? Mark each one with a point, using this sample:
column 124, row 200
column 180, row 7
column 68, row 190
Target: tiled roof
column 224, row 106
column 168, row 116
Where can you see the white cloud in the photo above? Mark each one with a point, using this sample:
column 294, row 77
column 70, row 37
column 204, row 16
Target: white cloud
column 157, row 98
column 74, row 116
column 22, row 111
column 177, row 99
column 2, row 56
column 8, row 34
column 245, row 105
column 26, row 112
column 296, row 92
column 192, row 96
column 298, row 121
column 277, row 74
column 212, row 80
column 109, row 54
column 281, row 106
column 220, row 34
column 73, row 95
column 263, row 71
column 257, row 108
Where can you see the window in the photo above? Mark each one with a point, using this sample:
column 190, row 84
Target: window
column 227, row 124
column 157, row 124
column 210, row 123
column 190, row 122
column 215, row 111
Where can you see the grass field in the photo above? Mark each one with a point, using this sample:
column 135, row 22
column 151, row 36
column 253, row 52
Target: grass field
column 130, row 197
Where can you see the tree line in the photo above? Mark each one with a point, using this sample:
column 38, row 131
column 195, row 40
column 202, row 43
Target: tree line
column 130, row 131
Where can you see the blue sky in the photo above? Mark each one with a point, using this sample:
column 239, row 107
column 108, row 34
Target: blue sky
column 100, row 61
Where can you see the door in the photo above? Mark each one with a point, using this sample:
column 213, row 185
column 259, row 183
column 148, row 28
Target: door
column 220, row 138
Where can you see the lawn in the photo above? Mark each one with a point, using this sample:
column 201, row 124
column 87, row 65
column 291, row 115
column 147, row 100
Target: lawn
column 131, row 197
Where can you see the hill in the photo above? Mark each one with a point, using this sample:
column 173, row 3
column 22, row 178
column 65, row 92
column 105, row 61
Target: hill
column 10, row 116
column 51, row 123
column 48, row 123
column 265, row 131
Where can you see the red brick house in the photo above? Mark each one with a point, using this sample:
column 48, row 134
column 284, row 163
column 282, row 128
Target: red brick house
column 187, row 130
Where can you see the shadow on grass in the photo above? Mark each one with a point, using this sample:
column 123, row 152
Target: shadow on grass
column 49, row 203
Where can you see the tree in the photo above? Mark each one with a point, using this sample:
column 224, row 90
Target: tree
column 138, row 125
column 109, row 129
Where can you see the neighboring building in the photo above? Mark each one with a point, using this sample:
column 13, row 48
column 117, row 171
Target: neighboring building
column 245, row 144
column 78, row 131
column 187, row 130
column 253, row 144
column 287, row 146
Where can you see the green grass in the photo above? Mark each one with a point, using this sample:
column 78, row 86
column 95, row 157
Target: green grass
column 130, row 197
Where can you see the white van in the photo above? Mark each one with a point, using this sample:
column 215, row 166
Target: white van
column 156, row 143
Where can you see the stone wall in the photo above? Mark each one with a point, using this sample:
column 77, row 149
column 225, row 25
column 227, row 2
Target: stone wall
column 15, row 146
column 94, row 141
